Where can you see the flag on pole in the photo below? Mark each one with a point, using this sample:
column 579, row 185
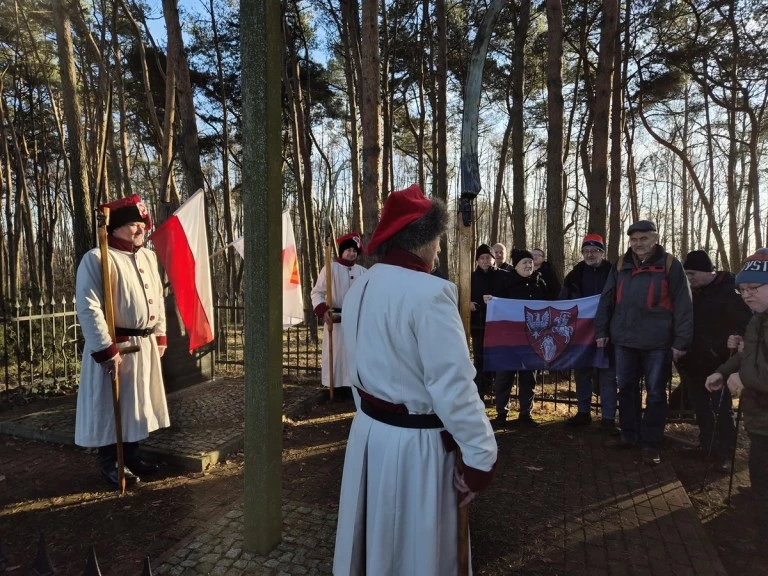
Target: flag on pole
column 293, row 301
column 541, row 335
column 181, row 245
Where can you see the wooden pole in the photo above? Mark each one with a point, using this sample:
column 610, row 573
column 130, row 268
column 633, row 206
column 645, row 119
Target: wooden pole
column 329, row 303
column 109, row 316
column 465, row 271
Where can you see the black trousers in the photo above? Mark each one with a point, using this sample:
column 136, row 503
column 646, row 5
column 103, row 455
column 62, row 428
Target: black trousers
column 108, row 454
column 483, row 379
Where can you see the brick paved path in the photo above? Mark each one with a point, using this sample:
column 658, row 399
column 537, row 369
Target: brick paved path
column 561, row 504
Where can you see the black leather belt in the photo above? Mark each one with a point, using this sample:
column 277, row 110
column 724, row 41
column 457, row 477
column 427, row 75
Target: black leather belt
column 142, row 332
column 398, row 419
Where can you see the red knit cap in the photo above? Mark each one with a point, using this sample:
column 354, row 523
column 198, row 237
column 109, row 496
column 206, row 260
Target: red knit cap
column 351, row 240
column 400, row 209
column 127, row 210
column 593, row 240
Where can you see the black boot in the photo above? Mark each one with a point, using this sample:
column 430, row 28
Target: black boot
column 108, row 466
column 135, row 463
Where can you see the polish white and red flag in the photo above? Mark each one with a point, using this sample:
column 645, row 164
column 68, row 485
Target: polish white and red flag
column 181, row 245
column 293, row 301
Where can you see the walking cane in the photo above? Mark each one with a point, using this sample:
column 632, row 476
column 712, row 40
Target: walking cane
column 329, row 303
column 733, row 456
column 713, row 437
column 109, row 316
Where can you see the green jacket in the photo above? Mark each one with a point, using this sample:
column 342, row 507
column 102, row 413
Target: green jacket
column 752, row 366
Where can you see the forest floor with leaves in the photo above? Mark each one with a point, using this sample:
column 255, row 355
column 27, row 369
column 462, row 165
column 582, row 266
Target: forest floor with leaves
column 56, row 490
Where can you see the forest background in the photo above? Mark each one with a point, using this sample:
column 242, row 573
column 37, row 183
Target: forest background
column 591, row 115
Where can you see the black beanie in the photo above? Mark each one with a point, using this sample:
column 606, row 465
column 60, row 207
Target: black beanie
column 698, row 260
column 483, row 249
column 518, row 255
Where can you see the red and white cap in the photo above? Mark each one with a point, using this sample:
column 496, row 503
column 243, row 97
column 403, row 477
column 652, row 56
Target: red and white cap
column 125, row 211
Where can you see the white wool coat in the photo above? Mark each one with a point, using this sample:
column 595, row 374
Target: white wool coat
column 398, row 507
column 138, row 303
column 343, row 278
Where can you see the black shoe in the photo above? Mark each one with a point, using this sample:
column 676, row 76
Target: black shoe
column 581, row 419
column 527, row 422
column 651, row 457
column 111, row 477
column 609, row 427
column 142, row 467
column 499, row 422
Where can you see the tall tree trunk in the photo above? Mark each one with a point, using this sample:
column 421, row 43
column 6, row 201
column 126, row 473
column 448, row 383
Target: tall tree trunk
column 598, row 183
column 82, row 222
column 617, row 121
column 555, row 247
column 441, row 149
column 226, row 185
column 370, row 113
column 518, row 125
column 190, row 150
column 498, row 189
column 386, row 104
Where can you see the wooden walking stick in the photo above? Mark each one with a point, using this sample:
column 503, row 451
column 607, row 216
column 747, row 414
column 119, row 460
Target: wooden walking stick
column 329, row 303
column 109, row 316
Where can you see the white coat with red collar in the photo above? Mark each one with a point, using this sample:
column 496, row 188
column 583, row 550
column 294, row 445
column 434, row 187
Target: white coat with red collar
column 137, row 292
column 343, row 277
column 398, row 507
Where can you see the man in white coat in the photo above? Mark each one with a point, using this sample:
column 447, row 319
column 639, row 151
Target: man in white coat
column 408, row 358
column 139, row 311
column 344, row 271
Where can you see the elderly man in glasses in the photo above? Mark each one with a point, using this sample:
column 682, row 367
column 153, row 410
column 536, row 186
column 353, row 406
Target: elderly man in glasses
column 746, row 375
column 588, row 278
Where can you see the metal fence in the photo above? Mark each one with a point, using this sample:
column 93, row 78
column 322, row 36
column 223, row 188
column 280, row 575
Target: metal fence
column 41, row 348
column 302, row 344
column 42, row 344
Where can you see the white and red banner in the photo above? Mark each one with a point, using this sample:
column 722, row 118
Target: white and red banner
column 541, row 335
column 181, row 245
column 293, row 301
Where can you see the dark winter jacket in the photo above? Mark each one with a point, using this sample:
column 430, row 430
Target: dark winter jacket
column 493, row 282
column 645, row 306
column 585, row 280
column 718, row 312
column 752, row 366
column 550, row 280
column 521, row 288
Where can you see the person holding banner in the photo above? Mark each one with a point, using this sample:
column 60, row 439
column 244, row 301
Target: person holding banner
column 523, row 284
column 487, row 280
column 588, row 278
column 408, row 357
column 344, row 272
column 139, row 312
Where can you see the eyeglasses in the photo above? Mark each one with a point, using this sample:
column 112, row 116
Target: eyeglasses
column 745, row 290
column 590, row 252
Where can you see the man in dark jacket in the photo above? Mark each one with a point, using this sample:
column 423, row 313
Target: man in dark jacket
column 746, row 374
column 588, row 278
column 487, row 281
column 718, row 312
column 646, row 310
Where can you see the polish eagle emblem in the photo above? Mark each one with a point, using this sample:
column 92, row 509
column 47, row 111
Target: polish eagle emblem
column 550, row 330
